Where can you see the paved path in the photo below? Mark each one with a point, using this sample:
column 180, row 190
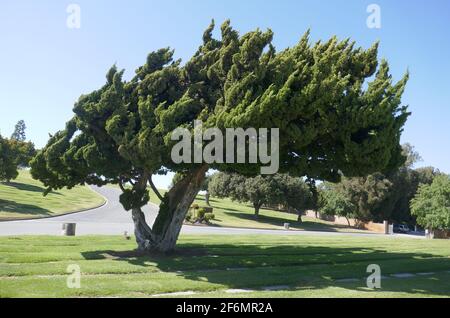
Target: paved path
column 112, row 219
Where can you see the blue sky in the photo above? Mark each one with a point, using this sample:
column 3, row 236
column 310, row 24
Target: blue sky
column 45, row 66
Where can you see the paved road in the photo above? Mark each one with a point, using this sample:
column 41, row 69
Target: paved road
column 112, row 219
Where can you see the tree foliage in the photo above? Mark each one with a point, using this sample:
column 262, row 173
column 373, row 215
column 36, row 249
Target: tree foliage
column 295, row 194
column 332, row 202
column 431, row 205
column 15, row 152
column 19, row 131
column 279, row 189
column 378, row 197
column 331, row 117
column 24, row 152
column 8, row 162
column 368, row 195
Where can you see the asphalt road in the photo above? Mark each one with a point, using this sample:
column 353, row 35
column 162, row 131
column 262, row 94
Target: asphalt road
column 112, row 219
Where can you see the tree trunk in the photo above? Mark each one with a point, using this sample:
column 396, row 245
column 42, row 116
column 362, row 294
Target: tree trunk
column 348, row 221
column 257, row 206
column 142, row 231
column 173, row 210
column 207, row 198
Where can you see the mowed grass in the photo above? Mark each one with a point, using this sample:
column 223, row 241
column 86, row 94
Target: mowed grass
column 22, row 198
column 233, row 214
column 211, row 266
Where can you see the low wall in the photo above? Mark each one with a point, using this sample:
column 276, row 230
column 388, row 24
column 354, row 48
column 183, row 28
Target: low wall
column 375, row 227
column 438, row 234
column 370, row 226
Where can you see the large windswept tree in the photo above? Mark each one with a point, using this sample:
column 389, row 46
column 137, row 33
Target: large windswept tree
column 330, row 119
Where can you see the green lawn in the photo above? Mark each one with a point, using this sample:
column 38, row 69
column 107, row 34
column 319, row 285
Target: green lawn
column 22, row 198
column 234, row 214
column 209, row 266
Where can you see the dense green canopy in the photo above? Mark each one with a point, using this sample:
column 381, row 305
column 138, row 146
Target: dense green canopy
column 431, row 205
column 8, row 162
column 379, row 197
column 272, row 190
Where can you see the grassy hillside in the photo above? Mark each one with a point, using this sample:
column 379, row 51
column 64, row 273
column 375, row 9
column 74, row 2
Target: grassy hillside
column 226, row 266
column 22, row 198
column 234, row 214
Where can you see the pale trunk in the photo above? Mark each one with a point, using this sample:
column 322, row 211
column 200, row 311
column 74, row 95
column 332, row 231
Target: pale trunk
column 142, row 231
column 207, row 195
column 173, row 209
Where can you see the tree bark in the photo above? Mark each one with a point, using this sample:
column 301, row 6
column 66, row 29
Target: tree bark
column 173, row 210
column 207, row 198
column 257, row 206
column 348, row 221
column 142, row 231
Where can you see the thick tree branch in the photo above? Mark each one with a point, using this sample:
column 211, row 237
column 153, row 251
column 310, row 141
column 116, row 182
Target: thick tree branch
column 121, row 186
column 152, row 185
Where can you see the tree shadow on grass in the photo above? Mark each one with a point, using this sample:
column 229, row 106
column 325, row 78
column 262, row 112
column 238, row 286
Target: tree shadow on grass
column 27, row 187
column 279, row 221
column 296, row 267
column 15, row 207
column 201, row 197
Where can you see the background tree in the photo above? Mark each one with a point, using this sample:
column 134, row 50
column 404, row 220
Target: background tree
column 331, row 119
column 23, row 151
column 228, row 185
column 333, row 202
column 19, row 131
column 279, row 189
column 8, row 162
column 225, row 185
column 405, row 184
column 368, row 194
column 378, row 197
column 294, row 194
column 260, row 190
column 205, row 187
column 431, row 205
column 426, row 175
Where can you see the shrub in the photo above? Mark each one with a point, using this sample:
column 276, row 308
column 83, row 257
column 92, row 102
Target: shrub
column 201, row 214
column 209, row 216
column 189, row 216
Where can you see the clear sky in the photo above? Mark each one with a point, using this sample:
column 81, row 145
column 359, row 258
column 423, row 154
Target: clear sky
column 45, row 66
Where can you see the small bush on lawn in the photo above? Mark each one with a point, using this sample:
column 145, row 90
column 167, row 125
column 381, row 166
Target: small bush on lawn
column 201, row 214
column 198, row 214
column 189, row 216
column 209, row 217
